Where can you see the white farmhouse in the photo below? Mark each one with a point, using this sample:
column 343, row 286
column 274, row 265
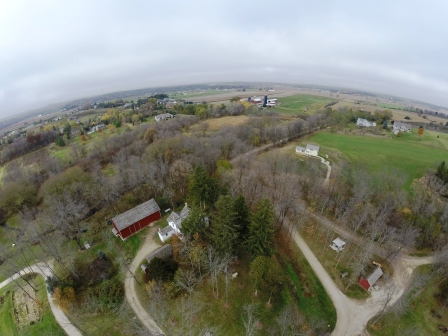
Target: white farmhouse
column 312, row 150
column 364, row 123
column 300, row 150
column 175, row 219
column 163, row 116
column 401, row 127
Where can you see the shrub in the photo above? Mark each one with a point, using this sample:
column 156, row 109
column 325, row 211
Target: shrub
column 162, row 269
column 105, row 296
column 52, row 282
column 101, row 255
column 64, row 298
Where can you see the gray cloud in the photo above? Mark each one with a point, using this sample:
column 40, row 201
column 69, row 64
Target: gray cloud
column 55, row 51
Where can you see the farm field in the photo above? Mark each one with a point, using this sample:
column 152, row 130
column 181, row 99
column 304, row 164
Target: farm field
column 302, row 103
column 407, row 153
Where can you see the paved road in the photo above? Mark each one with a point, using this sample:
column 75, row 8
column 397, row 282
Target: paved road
column 150, row 245
column 59, row 315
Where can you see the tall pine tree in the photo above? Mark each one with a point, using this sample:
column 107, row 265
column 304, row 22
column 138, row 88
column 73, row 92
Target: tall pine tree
column 242, row 216
column 195, row 223
column 202, row 189
column 225, row 228
column 261, row 232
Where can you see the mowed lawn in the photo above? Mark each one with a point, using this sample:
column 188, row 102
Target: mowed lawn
column 301, row 103
column 376, row 153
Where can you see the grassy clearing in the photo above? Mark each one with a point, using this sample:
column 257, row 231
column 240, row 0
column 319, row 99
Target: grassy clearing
column 7, row 324
column 218, row 123
column 418, row 317
column 302, row 104
column 47, row 325
column 313, row 300
column 2, row 173
column 407, row 153
column 63, row 154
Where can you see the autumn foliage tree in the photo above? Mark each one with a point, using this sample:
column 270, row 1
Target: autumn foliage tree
column 64, row 298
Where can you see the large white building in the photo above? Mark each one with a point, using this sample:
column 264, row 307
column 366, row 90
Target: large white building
column 401, row 127
column 364, row 123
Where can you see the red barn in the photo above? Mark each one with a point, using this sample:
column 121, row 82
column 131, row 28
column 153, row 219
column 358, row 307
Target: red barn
column 371, row 279
column 136, row 219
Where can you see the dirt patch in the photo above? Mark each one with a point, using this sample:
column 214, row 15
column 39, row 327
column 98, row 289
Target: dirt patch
column 26, row 309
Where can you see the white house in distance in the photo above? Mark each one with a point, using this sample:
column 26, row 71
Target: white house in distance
column 364, row 123
column 163, row 116
column 174, row 224
column 300, row 150
column 312, row 150
column 401, row 127
column 309, row 150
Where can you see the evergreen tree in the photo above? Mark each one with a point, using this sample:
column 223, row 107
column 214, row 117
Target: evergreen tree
column 225, row 228
column 442, row 172
column 242, row 216
column 261, row 232
column 202, row 188
column 196, row 222
column 59, row 141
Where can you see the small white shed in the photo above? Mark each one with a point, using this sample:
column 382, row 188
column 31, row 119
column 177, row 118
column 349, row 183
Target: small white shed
column 338, row 244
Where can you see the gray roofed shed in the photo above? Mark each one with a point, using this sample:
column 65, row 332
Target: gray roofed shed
column 132, row 216
column 373, row 278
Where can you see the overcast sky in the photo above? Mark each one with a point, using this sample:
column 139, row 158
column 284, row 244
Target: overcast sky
column 52, row 51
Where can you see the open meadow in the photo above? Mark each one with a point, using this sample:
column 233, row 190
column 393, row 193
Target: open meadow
column 407, row 153
column 302, row 104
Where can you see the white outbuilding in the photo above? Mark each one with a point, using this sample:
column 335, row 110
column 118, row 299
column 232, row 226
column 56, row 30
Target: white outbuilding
column 338, row 244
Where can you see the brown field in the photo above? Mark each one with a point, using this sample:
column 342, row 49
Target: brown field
column 217, row 124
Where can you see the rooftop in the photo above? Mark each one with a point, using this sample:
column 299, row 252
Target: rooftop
column 312, row 147
column 132, row 216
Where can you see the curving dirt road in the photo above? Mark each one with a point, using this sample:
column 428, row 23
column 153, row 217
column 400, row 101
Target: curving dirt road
column 149, row 245
column 353, row 315
column 59, row 315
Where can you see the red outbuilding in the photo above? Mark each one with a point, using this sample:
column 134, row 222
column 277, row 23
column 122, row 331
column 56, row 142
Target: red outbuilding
column 371, row 279
column 136, row 219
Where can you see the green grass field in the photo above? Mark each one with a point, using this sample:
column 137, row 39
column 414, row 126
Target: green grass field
column 301, row 104
column 407, row 153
